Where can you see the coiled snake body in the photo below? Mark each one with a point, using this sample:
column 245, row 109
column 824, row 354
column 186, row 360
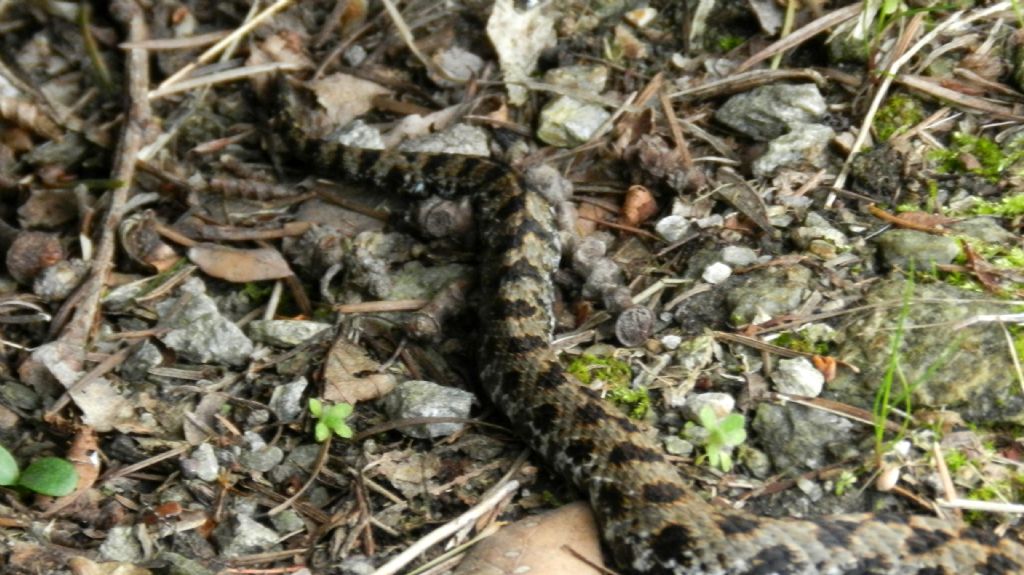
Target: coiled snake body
column 650, row 518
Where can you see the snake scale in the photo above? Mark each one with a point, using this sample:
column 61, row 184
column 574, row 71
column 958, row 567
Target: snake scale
column 650, row 518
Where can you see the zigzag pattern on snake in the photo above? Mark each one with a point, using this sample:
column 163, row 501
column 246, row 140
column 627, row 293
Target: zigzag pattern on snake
column 650, row 518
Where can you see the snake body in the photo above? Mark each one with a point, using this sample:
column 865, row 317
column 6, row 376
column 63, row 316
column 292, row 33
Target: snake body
column 650, row 518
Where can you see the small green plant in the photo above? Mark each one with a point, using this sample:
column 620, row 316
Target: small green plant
column 722, row 436
column 846, row 480
column 51, row 476
column 882, row 405
column 330, row 419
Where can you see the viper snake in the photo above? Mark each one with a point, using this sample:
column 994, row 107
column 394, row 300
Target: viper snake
column 650, row 518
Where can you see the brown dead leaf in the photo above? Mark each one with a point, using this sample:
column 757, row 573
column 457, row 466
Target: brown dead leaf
column 535, row 545
column 239, row 266
column 827, row 365
column 346, row 97
column 409, row 471
column 740, row 195
column 981, row 269
column 926, row 220
column 639, row 205
column 351, row 376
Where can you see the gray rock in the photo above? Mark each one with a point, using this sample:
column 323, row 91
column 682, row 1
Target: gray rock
column 676, row 445
column 969, row 370
column 590, row 79
column 286, row 400
column 56, row 282
column 816, row 228
column 200, row 333
column 797, row 438
column 671, row 341
column 797, row 376
column 459, row 64
column 672, row 228
column 755, row 460
column 284, row 332
column 17, row 394
column 769, row 292
column 738, row 256
column 812, row 489
column 416, row 281
column 804, row 145
column 260, row 458
column 900, row 247
column 202, row 464
column 121, row 545
column 243, row 536
column 716, row 273
column 767, row 112
column 567, row 122
column 356, row 565
column 427, row 399
column 136, row 367
column 297, row 463
column 984, row 228
column 287, row 521
column 178, row 564
column 721, row 403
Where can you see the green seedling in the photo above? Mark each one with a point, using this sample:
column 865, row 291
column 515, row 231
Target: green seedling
column 330, row 418
column 723, row 435
column 846, row 480
column 51, row 476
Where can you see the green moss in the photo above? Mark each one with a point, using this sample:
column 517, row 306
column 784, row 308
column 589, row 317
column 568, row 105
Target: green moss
column 1008, row 207
column 728, row 42
column 637, row 401
column 899, row 113
column 799, row 341
column 617, row 377
column 989, row 160
column 845, row 481
column 955, row 460
column 257, row 292
column 589, row 368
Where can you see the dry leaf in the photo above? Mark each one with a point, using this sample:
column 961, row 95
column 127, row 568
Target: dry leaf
column 344, row 97
column 638, row 205
column 926, row 220
column 102, row 407
column 410, row 472
column 981, row 269
column 826, row 365
column 352, row 376
column 535, row 544
column 239, row 266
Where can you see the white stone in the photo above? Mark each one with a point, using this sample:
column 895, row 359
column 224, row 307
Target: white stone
column 798, row 376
